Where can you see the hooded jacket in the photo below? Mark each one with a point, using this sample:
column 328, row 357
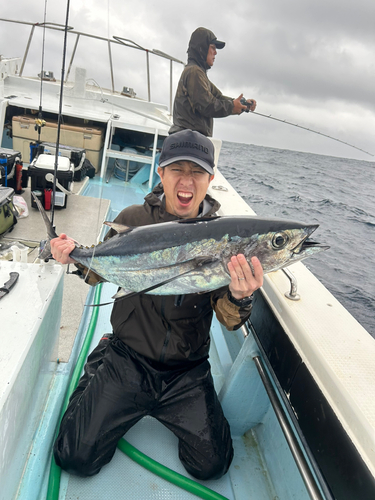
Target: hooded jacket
column 197, row 100
column 170, row 330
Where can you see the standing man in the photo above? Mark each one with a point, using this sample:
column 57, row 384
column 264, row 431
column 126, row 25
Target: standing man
column 156, row 360
column 198, row 101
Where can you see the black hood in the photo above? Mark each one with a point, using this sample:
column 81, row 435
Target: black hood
column 200, row 41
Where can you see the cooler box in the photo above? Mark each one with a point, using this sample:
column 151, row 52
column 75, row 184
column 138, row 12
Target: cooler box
column 8, row 159
column 40, row 186
column 75, row 155
column 90, row 139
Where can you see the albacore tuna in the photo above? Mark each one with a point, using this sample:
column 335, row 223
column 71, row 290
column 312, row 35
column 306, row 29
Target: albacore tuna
column 191, row 255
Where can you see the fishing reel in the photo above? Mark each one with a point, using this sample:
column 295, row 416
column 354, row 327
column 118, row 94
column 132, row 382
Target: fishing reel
column 244, row 102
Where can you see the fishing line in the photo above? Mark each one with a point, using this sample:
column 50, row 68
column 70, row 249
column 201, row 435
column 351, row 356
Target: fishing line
column 98, row 220
column 311, row 130
column 60, row 110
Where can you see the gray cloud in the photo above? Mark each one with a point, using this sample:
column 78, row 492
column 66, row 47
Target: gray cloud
column 307, row 61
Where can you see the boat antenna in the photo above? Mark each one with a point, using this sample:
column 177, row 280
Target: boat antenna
column 60, row 111
column 311, row 130
column 39, row 122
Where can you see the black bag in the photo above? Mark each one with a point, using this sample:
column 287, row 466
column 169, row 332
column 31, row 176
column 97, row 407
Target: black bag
column 8, row 213
column 86, row 169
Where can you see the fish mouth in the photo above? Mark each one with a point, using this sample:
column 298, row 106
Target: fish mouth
column 308, row 246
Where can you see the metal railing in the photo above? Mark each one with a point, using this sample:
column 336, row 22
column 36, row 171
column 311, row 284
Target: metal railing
column 315, row 483
column 116, row 40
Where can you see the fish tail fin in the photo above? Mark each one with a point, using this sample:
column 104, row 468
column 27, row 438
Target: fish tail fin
column 51, row 233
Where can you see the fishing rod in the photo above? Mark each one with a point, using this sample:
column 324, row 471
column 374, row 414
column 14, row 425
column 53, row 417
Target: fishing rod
column 39, row 122
column 314, row 131
column 60, row 110
column 243, row 101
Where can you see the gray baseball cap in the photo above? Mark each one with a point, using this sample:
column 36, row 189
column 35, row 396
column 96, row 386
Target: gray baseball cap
column 188, row 145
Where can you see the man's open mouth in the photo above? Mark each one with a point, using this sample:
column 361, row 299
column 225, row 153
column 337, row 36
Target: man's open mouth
column 184, row 198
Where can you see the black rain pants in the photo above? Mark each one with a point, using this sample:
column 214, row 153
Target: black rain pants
column 118, row 388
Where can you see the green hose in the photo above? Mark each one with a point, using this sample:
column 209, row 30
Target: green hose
column 139, row 457
column 168, row 474
column 55, row 470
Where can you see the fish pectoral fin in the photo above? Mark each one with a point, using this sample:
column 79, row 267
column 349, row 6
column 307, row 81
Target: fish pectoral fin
column 197, row 263
column 122, row 293
column 119, row 228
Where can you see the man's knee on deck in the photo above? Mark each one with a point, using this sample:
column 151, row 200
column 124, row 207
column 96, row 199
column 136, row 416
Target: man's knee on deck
column 204, row 468
column 80, row 462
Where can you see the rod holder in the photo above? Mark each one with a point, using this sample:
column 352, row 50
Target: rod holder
column 292, row 294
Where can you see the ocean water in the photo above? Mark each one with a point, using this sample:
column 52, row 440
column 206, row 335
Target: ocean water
column 336, row 193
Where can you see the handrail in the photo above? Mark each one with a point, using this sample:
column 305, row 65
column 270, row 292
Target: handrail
column 309, row 480
column 115, row 40
column 314, row 482
column 157, row 52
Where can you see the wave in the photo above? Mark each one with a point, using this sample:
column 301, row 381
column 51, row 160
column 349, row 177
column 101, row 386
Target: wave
column 361, row 221
column 335, row 193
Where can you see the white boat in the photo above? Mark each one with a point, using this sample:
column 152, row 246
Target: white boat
column 296, row 383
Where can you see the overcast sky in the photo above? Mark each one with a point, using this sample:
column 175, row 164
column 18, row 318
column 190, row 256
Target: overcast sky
column 309, row 62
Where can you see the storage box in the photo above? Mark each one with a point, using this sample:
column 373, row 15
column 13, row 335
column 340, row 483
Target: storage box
column 44, row 165
column 60, row 199
column 8, row 159
column 88, row 138
column 75, row 155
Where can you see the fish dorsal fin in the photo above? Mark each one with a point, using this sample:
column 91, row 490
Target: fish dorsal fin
column 197, row 219
column 119, row 228
column 50, row 230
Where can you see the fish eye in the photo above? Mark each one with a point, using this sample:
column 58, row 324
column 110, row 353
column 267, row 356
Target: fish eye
column 279, row 240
